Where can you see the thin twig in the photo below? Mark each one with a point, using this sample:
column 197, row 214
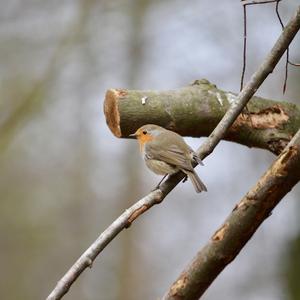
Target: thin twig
column 287, row 62
column 287, row 50
column 245, row 40
column 207, row 147
column 244, row 47
column 294, row 64
column 245, row 31
column 259, row 2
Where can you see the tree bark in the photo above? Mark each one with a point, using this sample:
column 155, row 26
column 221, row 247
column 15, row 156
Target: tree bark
column 196, row 110
column 239, row 227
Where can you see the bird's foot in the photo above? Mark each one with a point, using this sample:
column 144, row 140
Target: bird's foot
column 185, row 178
column 157, row 187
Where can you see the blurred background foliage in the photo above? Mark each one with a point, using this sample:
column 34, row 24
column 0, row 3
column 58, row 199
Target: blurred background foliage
column 64, row 177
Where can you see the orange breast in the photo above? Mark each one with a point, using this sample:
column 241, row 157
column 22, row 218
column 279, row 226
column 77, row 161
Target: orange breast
column 144, row 138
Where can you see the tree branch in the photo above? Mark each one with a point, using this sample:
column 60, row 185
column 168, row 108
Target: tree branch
column 196, row 110
column 239, row 227
column 157, row 196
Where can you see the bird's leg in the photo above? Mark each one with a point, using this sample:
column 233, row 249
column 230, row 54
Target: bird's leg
column 157, row 187
column 185, row 178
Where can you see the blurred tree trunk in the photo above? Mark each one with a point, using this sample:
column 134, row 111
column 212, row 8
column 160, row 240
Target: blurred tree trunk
column 129, row 274
column 292, row 273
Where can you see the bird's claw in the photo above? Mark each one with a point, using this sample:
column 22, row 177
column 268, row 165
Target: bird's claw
column 156, row 188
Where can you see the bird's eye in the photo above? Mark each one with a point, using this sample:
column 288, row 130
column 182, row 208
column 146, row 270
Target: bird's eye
column 144, row 132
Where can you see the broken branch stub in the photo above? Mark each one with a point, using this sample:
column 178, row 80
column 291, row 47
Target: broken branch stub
column 196, row 110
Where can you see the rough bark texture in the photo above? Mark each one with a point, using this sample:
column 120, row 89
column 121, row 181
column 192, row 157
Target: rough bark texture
column 196, row 110
column 244, row 220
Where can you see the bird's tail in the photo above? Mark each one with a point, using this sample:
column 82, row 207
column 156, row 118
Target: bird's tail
column 196, row 181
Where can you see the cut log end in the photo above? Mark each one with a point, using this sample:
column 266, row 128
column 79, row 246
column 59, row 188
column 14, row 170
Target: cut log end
column 111, row 110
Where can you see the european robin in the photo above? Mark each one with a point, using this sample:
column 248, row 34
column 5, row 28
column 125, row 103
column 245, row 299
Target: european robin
column 165, row 152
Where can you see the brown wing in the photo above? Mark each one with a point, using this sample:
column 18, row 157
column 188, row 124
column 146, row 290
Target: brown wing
column 171, row 154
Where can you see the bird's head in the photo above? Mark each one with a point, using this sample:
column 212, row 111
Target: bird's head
column 147, row 133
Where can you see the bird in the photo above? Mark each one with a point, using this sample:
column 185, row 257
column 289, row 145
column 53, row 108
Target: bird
column 165, row 152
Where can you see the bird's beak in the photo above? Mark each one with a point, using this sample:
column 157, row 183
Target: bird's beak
column 133, row 135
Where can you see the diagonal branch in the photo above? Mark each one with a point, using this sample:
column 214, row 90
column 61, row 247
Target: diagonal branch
column 239, row 227
column 157, row 196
